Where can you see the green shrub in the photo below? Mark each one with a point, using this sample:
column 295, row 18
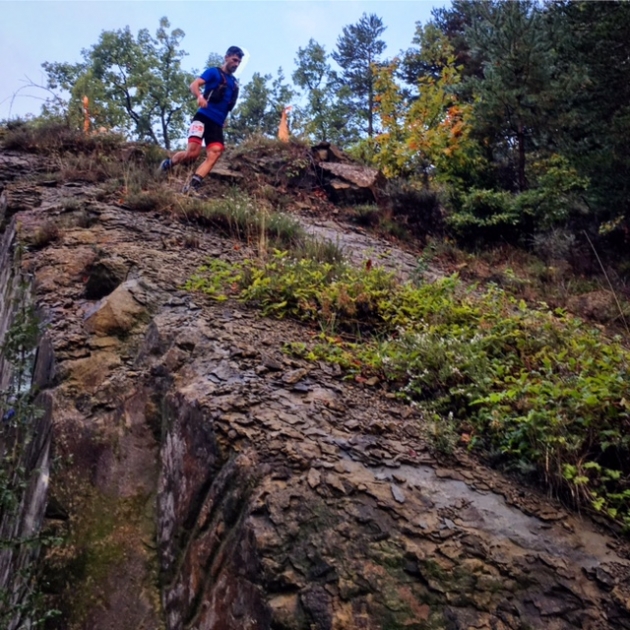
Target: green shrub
column 367, row 215
column 420, row 206
column 538, row 387
column 484, row 214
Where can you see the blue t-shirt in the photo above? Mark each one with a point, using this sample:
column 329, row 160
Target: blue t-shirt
column 217, row 112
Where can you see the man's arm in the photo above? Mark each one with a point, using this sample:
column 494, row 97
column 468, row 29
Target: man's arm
column 196, row 89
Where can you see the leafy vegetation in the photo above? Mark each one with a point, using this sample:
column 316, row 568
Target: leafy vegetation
column 259, row 107
column 537, row 389
column 134, row 84
column 326, row 113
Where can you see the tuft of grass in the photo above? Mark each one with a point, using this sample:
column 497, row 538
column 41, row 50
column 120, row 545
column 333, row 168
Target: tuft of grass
column 157, row 199
column 319, row 250
column 238, row 215
column 261, row 144
column 42, row 235
column 54, row 137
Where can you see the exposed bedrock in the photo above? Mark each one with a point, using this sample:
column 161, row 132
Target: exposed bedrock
column 206, row 480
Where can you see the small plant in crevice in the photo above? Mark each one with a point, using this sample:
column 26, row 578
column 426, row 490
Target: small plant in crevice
column 323, row 251
column 442, row 433
column 42, row 235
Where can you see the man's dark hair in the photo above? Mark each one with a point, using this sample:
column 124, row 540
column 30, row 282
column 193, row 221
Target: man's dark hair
column 234, row 50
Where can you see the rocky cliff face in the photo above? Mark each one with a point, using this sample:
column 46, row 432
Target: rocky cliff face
column 24, row 450
column 204, row 480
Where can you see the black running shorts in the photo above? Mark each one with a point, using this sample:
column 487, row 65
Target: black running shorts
column 202, row 129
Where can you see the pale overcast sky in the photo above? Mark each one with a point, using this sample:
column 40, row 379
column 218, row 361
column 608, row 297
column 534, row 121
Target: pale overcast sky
column 34, row 31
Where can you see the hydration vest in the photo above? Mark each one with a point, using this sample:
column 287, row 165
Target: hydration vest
column 217, row 94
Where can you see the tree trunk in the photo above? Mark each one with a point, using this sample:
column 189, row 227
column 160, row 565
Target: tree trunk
column 522, row 181
column 370, row 112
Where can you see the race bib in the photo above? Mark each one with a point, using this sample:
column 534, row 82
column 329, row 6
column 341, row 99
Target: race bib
column 196, row 129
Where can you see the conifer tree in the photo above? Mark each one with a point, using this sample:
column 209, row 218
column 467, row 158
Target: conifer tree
column 358, row 50
column 325, row 116
column 259, row 106
column 595, row 47
column 516, row 93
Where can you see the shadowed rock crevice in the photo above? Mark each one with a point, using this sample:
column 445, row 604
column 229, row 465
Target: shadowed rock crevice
column 103, row 276
column 206, row 548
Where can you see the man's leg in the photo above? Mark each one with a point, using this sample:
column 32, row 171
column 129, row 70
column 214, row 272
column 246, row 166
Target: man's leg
column 196, row 133
column 192, row 152
column 213, row 153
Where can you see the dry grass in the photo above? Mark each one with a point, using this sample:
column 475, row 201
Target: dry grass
column 50, row 137
column 41, row 235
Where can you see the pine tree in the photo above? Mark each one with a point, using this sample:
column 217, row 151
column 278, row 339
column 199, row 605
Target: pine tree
column 324, row 117
column 358, row 50
column 516, row 94
column 595, row 122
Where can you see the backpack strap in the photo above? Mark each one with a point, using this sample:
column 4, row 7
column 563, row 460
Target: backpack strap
column 215, row 95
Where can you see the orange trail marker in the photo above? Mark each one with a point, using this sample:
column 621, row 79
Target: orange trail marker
column 283, row 129
column 86, row 115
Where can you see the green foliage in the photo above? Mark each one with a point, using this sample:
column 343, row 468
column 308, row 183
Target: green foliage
column 484, row 214
column 358, row 52
column 325, row 116
column 539, row 388
column 134, row 84
column 490, row 214
column 593, row 45
column 443, row 434
column 259, row 107
column 429, row 134
column 323, row 251
column 518, row 89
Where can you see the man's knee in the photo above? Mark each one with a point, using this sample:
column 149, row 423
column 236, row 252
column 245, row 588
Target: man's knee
column 214, row 150
column 193, row 150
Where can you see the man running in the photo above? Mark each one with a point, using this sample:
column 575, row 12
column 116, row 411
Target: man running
column 216, row 91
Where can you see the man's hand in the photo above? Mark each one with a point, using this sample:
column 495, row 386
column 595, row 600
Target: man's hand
column 196, row 88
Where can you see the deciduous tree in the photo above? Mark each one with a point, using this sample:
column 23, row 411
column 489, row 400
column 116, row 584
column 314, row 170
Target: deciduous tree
column 430, row 134
column 260, row 105
column 135, row 84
